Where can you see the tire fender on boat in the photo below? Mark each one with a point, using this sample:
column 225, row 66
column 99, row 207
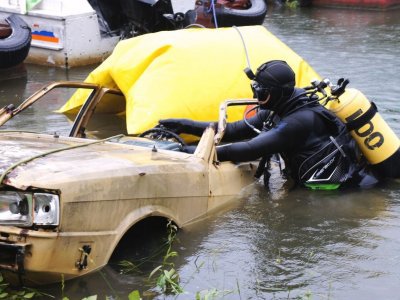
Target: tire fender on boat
column 241, row 17
column 15, row 47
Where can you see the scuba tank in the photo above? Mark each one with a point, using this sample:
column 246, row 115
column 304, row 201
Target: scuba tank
column 376, row 140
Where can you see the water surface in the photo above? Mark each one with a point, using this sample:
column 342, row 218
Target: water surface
column 276, row 243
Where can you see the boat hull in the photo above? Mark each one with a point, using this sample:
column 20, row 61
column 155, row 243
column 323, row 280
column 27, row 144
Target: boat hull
column 58, row 38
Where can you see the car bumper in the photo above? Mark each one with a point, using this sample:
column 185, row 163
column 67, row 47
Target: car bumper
column 31, row 257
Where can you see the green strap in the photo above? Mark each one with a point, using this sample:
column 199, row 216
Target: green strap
column 322, row 186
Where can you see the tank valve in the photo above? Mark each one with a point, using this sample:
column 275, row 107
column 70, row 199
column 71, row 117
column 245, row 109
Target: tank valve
column 340, row 88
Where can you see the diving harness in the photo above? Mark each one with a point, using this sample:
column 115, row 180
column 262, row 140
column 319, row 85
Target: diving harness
column 375, row 139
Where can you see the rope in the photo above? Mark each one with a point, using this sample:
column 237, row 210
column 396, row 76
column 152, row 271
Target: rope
column 24, row 161
column 212, row 7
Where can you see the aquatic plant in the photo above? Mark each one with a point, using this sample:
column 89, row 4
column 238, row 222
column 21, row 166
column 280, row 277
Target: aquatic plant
column 292, row 3
column 212, row 294
column 168, row 279
column 6, row 292
column 164, row 276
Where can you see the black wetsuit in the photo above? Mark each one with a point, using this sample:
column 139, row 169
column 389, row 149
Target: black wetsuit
column 317, row 149
column 314, row 144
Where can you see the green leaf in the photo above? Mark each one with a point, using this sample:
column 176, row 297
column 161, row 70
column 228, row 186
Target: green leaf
column 3, row 295
column 94, row 297
column 167, row 274
column 135, row 295
column 154, row 271
column 171, row 254
column 161, row 282
column 29, row 295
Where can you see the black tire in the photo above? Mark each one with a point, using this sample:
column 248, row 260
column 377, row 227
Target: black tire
column 255, row 15
column 15, row 48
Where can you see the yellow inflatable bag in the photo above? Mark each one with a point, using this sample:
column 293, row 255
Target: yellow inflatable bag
column 188, row 73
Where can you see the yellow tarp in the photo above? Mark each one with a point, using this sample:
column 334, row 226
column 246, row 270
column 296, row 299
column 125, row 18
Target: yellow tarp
column 188, row 73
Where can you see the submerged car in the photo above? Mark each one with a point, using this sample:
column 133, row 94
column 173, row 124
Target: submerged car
column 69, row 194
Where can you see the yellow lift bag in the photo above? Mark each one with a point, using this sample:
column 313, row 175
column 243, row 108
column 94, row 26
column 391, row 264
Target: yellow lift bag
column 187, row 73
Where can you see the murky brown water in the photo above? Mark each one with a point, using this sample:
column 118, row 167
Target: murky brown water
column 282, row 244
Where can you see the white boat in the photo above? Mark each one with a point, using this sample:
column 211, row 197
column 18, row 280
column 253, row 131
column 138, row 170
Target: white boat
column 68, row 33
column 65, row 33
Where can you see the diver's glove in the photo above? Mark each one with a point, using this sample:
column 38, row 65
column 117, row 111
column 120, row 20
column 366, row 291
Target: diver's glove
column 184, row 126
column 176, row 125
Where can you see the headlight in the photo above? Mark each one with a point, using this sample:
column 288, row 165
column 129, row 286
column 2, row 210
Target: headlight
column 15, row 209
column 46, row 209
column 27, row 209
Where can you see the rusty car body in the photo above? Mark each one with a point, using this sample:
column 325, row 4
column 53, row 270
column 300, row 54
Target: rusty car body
column 67, row 201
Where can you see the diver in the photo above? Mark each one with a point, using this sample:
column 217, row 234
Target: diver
column 317, row 150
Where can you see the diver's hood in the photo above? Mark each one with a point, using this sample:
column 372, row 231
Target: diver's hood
column 279, row 79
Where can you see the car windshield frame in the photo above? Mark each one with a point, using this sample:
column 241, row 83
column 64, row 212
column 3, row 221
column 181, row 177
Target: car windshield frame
column 98, row 93
column 82, row 117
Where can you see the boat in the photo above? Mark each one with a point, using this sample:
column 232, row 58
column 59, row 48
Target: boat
column 143, row 16
column 15, row 41
column 58, row 38
column 230, row 13
column 370, row 4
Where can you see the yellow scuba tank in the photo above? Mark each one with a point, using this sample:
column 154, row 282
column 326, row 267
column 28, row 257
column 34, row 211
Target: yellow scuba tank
column 377, row 141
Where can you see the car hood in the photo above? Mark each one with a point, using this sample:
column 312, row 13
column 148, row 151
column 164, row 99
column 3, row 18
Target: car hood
column 45, row 161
